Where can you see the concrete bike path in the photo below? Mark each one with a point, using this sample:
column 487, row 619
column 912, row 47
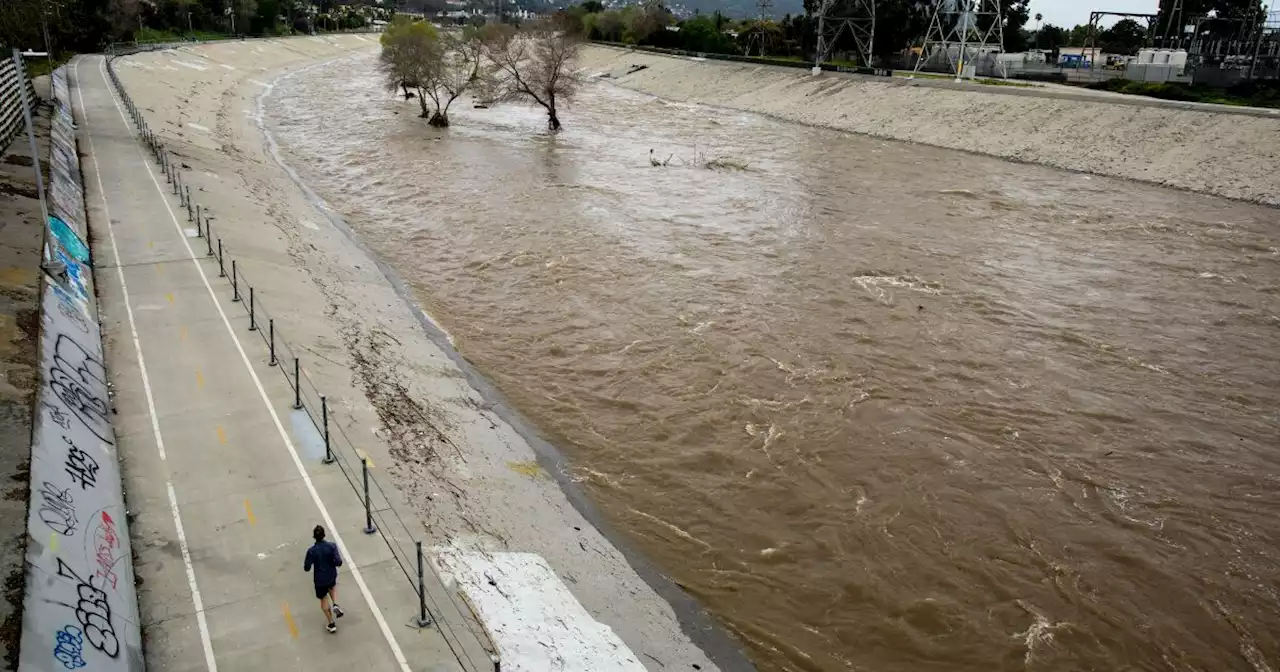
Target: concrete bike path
column 223, row 488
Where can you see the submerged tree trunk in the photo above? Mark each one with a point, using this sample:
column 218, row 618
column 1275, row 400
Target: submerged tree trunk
column 422, row 102
column 553, row 122
column 439, row 119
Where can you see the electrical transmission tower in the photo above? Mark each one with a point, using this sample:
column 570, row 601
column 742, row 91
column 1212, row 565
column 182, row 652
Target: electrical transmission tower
column 1173, row 25
column 759, row 40
column 858, row 17
column 961, row 34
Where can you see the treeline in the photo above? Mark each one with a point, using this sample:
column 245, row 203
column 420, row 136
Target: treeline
column 89, row 25
column 900, row 25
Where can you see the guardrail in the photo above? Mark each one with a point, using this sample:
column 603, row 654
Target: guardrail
column 381, row 516
column 13, row 78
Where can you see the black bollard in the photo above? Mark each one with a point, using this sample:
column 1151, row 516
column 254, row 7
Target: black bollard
column 208, row 234
column 222, row 270
column 253, row 322
column 235, row 285
column 324, row 413
column 423, row 619
column 198, row 231
column 368, row 510
column 271, row 330
column 297, row 385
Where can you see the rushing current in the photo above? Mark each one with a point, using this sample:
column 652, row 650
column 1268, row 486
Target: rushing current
column 878, row 406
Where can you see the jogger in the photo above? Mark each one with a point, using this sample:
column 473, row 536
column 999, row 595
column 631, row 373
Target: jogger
column 325, row 558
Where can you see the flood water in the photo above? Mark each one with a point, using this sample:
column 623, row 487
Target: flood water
column 878, row 406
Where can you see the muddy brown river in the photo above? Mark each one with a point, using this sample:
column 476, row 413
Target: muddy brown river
column 878, row 406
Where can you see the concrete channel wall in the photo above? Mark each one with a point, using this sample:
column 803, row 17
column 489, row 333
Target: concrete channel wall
column 81, row 608
column 1212, row 149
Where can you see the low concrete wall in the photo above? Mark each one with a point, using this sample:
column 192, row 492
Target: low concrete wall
column 81, row 608
column 1232, row 153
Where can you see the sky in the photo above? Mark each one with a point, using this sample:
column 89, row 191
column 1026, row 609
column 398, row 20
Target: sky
column 1068, row 13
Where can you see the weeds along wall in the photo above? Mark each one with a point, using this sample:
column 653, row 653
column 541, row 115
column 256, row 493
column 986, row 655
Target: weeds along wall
column 81, row 607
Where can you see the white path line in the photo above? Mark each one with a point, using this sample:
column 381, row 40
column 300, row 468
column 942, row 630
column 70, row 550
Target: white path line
column 262, row 392
column 196, row 602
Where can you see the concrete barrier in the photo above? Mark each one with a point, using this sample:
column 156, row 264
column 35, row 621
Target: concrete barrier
column 81, row 607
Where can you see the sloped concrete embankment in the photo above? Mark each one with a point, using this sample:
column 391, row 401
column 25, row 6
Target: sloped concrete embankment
column 1205, row 150
column 80, row 608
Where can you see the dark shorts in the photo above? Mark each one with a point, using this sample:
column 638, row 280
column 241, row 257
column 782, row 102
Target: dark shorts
column 323, row 591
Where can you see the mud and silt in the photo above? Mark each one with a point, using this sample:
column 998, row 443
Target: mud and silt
column 878, row 406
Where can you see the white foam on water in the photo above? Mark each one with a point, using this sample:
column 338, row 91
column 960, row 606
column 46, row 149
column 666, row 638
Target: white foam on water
column 198, row 127
column 189, row 64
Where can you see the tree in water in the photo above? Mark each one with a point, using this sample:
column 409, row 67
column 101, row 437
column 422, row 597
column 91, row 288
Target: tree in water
column 536, row 64
column 456, row 68
column 409, row 52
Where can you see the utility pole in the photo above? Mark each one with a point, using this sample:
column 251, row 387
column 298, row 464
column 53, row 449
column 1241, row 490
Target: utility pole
column 44, row 25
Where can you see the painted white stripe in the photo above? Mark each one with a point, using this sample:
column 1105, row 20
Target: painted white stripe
column 201, row 621
column 262, row 393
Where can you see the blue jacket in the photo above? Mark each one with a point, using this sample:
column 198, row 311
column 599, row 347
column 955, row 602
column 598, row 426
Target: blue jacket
column 324, row 556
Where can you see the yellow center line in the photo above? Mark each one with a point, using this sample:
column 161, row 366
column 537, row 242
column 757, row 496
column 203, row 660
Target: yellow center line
column 169, row 296
column 288, row 619
column 199, row 379
column 151, row 244
column 253, row 520
column 222, row 435
column 53, row 542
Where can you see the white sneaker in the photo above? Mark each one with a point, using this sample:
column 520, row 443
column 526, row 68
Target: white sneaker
column 337, row 611
column 332, row 627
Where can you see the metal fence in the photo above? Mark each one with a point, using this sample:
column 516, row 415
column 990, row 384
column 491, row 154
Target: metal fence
column 381, row 516
column 13, row 78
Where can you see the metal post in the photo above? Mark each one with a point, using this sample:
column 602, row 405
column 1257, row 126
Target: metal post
column 168, row 169
column 271, row 330
column 423, row 619
column 187, row 192
column 324, row 413
column 222, row 270
column 208, row 234
column 235, row 286
column 297, row 385
column 368, row 511
column 198, row 232
column 177, row 181
column 253, row 323
column 497, row 663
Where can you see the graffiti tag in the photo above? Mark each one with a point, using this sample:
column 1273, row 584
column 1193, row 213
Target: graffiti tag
column 76, row 377
column 81, row 466
column 69, row 646
column 93, row 612
column 105, row 544
column 56, row 415
column 58, row 510
column 69, row 309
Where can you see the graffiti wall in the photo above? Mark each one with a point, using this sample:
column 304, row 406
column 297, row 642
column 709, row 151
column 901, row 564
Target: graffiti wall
column 80, row 609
